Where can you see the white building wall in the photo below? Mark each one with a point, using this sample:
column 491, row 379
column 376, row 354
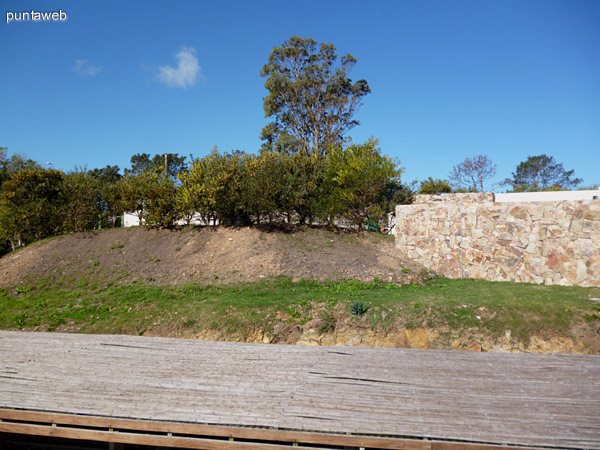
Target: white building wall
column 197, row 220
column 130, row 220
column 550, row 196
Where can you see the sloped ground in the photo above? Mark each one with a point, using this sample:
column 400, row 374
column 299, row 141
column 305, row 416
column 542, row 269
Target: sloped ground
column 208, row 255
column 102, row 282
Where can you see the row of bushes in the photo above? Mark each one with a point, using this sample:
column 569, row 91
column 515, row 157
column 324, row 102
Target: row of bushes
column 36, row 203
column 355, row 185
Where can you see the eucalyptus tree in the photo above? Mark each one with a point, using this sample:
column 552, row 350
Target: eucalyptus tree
column 311, row 98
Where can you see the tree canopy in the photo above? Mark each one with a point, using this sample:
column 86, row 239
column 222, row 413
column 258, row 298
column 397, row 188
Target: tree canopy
column 311, row 98
column 431, row 186
column 142, row 162
column 31, row 204
column 359, row 177
column 15, row 163
column 541, row 173
column 108, row 174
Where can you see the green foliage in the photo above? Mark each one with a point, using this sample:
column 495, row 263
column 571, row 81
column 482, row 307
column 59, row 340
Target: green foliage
column 541, row 173
column 82, row 194
column 215, row 185
column 108, row 174
column 358, row 308
column 192, row 195
column 8, row 167
column 293, row 313
column 111, row 203
column 160, row 201
column 14, row 164
column 304, row 186
column 264, row 189
column 151, row 196
column 33, row 202
column 141, row 162
column 31, row 205
column 109, row 200
column 462, row 190
column 311, row 98
column 283, row 186
column 131, row 191
column 431, row 186
column 399, row 194
column 359, row 177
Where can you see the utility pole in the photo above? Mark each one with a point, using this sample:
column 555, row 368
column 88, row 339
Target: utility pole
column 166, row 162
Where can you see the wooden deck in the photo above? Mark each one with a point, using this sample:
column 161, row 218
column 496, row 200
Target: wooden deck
column 199, row 394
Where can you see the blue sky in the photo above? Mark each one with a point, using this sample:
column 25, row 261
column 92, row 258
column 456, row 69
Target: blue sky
column 449, row 79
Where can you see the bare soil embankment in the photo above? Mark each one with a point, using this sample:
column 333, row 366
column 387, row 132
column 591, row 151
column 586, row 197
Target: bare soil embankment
column 209, row 255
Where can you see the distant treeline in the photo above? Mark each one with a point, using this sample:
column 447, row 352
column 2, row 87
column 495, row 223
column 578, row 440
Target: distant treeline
column 356, row 185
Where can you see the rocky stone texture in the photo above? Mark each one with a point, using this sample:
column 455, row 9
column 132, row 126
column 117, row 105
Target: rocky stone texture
column 470, row 235
column 409, row 338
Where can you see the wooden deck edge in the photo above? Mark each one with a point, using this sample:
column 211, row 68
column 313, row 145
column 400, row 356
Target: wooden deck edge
column 209, row 437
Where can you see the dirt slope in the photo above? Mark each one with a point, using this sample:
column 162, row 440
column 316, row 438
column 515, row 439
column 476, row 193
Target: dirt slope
column 208, row 255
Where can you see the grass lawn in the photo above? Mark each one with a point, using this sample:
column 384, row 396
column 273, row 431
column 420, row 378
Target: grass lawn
column 239, row 310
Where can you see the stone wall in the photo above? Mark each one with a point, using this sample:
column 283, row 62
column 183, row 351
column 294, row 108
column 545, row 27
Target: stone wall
column 470, row 235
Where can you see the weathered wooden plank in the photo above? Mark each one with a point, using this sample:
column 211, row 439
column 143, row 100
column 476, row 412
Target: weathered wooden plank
column 549, row 400
column 217, row 431
column 160, row 440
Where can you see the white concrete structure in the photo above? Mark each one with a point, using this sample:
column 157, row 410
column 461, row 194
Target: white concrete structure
column 130, row 220
column 391, row 225
column 549, row 196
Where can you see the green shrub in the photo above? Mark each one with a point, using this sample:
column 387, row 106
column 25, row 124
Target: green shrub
column 431, row 186
column 358, row 308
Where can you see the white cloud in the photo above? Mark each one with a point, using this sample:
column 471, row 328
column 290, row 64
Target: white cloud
column 186, row 72
column 85, row 69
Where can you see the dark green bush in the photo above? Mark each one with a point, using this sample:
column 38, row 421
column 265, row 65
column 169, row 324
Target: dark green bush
column 358, row 308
